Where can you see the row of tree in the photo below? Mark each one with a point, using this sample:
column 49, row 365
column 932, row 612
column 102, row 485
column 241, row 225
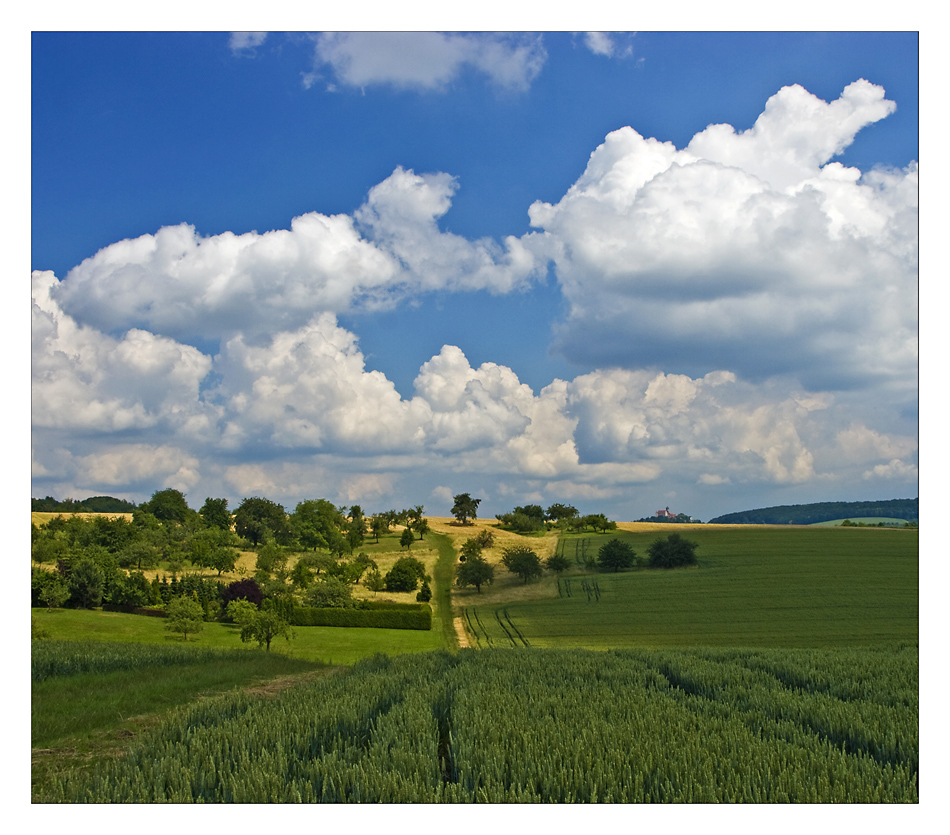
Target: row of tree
column 532, row 517
column 523, row 561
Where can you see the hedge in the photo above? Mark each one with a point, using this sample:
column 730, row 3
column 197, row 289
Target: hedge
column 418, row 617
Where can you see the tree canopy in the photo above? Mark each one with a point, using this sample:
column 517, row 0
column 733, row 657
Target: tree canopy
column 256, row 515
column 523, row 561
column 465, row 508
column 474, row 572
column 168, row 506
column 616, row 554
column 672, row 552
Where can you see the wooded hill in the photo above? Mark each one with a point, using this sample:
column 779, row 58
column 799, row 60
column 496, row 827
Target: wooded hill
column 808, row 514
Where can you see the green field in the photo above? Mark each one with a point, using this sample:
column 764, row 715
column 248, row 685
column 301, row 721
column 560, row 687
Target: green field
column 864, row 520
column 754, row 587
column 548, row 726
column 330, row 645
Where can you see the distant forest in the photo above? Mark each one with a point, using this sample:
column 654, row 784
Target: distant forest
column 94, row 504
column 808, row 514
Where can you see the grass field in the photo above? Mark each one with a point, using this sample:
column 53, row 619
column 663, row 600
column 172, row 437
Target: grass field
column 331, row 645
column 754, row 587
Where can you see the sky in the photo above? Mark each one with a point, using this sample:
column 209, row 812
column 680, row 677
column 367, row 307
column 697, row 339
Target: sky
column 623, row 271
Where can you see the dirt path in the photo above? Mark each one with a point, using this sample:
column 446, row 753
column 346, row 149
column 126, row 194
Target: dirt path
column 463, row 635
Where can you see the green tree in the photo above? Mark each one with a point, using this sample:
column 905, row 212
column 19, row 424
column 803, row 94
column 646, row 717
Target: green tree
column 378, row 525
column 424, row 595
column 374, row 581
column 407, row 538
column 215, row 514
column 317, row 523
column 87, row 583
column 561, row 512
column 472, row 547
column 256, row 515
column 557, row 563
column 523, row 561
column 421, row 525
column 265, row 625
column 184, row 615
column 474, row 572
column 405, row 574
column 465, row 508
column 55, row 593
column 616, row 554
column 330, row 593
column 672, row 552
column 168, row 506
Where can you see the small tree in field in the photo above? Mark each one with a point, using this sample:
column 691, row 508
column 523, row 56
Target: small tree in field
column 672, row 552
column 374, row 581
column 474, row 572
column 465, row 507
column 557, row 563
column 263, row 626
column 407, row 539
column 186, row 616
column 615, row 555
column 524, row 562
column 55, row 593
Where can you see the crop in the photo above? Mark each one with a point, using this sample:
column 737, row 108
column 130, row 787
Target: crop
column 530, row 725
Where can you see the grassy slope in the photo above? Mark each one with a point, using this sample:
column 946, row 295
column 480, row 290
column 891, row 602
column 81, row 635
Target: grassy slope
column 763, row 586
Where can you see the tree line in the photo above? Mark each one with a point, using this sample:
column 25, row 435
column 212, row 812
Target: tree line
column 809, row 514
column 101, row 561
column 614, row 555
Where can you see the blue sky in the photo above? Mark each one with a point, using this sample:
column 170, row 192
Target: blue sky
column 522, row 266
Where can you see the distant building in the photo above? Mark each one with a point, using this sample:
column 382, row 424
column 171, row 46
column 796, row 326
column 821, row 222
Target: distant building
column 665, row 514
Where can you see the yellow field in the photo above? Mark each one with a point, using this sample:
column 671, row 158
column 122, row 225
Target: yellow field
column 39, row 519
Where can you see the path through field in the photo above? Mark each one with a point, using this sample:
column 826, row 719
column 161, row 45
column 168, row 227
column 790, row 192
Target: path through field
column 460, row 631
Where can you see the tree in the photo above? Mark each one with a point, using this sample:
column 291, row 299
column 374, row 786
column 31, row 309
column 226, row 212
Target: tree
column 256, row 515
column 405, row 574
column 316, row 523
column 168, row 506
column 421, row 525
column 557, row 563
column 474, row 572
column 87, row 583
column 424, row 595
column 616, row 554
column 378, row 525
column 243, row 589
column 672, row 552
column 558, row 512
column 215, row 514
column 55, row 593
column 523, row 561
column 184, row 615
column 465, row 507
column 472, row 547
column 407, row 538
column 330, row 593
column 374, row 581
column 263, row 626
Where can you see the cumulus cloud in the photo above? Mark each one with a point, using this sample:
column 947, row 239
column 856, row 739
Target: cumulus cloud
column 429, row 60
column 85, row 380
column 751, row 251
column 182, row 285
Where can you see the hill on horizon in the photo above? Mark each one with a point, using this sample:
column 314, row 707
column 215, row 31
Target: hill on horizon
column 809, row 514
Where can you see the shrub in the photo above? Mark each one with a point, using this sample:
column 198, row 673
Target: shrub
column 615, row 555
column 672, row 552
column 405, row 574
column 247, row 589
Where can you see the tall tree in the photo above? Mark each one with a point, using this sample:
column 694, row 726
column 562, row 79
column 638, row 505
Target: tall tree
column 215, row 514
column 672, row 552
column 168, row 506
column 255, row 515
column 465, row 508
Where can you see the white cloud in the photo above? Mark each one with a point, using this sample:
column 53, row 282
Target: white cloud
column 429, row 60
column 181, row 285
column 606, row 44
column 895, row 469
column 85, row 380
column 140, row 463
column 245, row 42
column 748, row 251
